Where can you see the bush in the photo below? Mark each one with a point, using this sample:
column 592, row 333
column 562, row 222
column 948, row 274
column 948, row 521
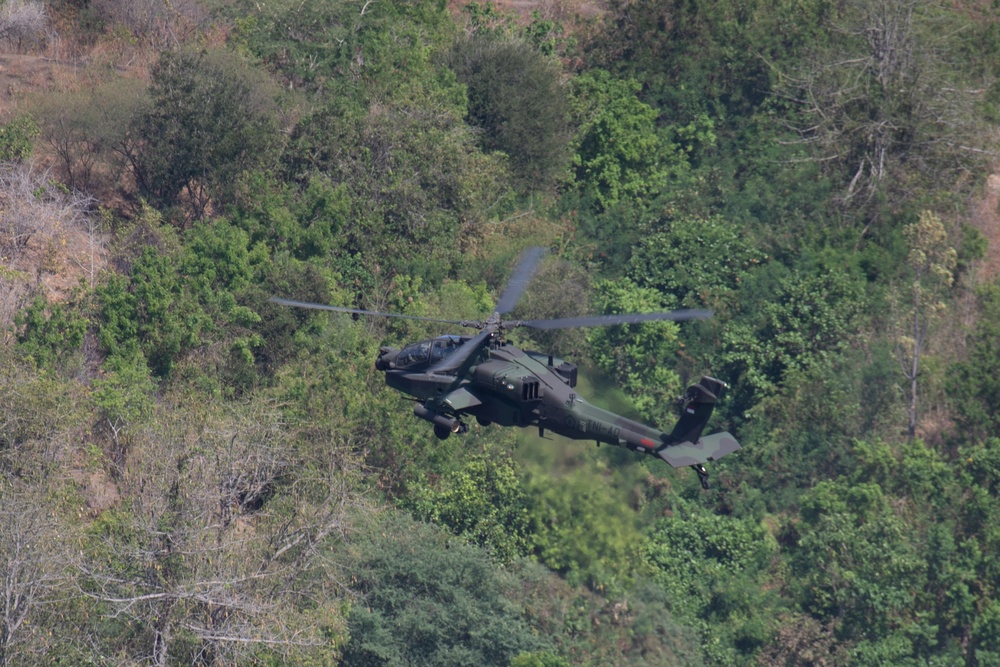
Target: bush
column 16, row 137
column 49, row 333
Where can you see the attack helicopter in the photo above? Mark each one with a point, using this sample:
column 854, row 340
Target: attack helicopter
column 484, row 376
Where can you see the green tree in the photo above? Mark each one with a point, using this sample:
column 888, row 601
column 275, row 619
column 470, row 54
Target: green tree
column 40, row 415
column 349, row 49
column 696, row 58
column 699, row 260
column 538, row 659
column 219, row 262
column 517, row 99
column 985, row 636
column 124, row 396
column 211, row 118
column 168, row 323
column 619, row 151
column 580, row 531
column 431, row 600
column 310, row 222
column 482, row 502
column 560, row 288
column 148, row 312
column 637, row 626
column 974, row 384
column 792, row 321
column 711, row 568
column 854, row 562
column 177, row 299
column 396, row 178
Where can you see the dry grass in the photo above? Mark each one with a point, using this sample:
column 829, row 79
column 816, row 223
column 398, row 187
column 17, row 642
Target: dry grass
column 50, row 239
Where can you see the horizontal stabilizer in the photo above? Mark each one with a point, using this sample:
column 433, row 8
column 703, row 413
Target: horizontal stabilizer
column 709, row 448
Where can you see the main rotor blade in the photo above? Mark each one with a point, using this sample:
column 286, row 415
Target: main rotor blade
column 454, row 360
column 520, row 278
column 358, row 311
column 608, row 320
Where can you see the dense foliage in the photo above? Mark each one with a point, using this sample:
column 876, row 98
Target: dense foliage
column 190, row 474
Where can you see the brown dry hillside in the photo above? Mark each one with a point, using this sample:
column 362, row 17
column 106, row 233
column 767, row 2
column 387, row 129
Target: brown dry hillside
column 24, row 74
column 986, row 218
column 59, row 245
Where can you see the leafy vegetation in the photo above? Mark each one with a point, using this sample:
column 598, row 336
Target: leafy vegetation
column 190, row 474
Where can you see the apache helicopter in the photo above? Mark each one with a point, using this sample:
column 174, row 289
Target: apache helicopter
column 485, row 376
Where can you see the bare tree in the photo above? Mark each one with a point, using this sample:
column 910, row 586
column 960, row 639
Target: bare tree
column 37, row 215
column 883, row 99
column 222, row 526
column 161, row 22
column 34, row 208
column 89, row 131
column 23, row 23
column 932, row 261
column 34, row 564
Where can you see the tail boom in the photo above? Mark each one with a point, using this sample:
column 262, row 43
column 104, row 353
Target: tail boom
column 684, row 445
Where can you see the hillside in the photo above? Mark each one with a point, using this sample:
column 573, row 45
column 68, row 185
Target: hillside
column 192, row 474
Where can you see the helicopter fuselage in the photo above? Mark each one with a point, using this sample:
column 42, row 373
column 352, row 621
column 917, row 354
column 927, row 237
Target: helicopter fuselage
column 507, row 386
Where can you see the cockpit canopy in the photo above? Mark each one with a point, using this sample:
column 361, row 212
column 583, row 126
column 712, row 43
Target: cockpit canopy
column 433, row 350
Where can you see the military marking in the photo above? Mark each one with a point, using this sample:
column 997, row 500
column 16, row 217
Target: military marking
column 592, row 426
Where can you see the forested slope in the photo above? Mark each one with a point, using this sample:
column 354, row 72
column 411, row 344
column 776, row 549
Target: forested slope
column 194, row 475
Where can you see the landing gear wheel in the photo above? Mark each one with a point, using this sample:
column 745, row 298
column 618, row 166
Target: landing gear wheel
column 483, row 421
column 442, row 432
column 702, row 476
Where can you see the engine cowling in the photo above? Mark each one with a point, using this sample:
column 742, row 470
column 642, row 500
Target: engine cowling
column 509, row 380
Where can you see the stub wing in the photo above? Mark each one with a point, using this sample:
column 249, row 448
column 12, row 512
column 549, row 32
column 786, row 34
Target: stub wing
column 708, row 448
column 461, row 399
